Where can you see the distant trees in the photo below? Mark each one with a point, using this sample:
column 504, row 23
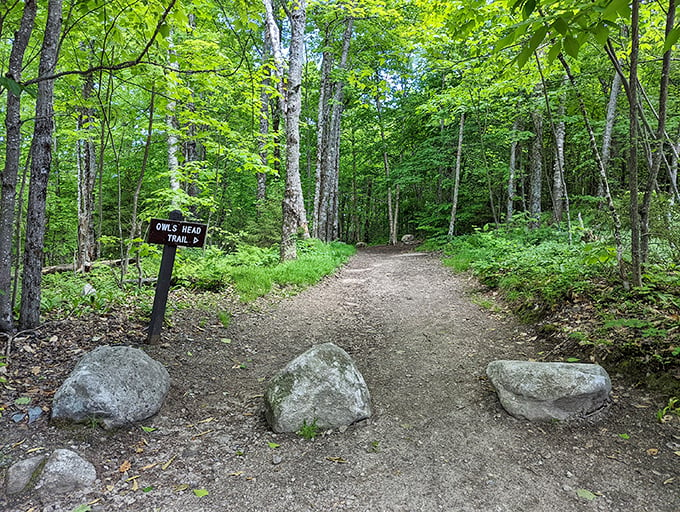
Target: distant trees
column 362, row 114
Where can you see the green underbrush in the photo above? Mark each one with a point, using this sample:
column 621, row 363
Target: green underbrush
column 572, row 290
column 248, row 270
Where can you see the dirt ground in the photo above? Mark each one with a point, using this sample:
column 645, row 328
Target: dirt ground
column 438, row 439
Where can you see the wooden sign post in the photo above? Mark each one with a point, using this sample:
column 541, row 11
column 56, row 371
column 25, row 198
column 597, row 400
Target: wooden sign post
column 171, row 233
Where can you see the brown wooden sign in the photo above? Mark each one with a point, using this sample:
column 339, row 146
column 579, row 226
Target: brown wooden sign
column 173, row 232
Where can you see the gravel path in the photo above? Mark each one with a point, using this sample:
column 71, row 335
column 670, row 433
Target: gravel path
column 438, row 440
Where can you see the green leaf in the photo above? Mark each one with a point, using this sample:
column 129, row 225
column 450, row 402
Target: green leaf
column 617, row 9
column 561, row 26
column 523, row 57
column 585, row 494
column 601, row 33
column 82, row 508
column 10, row 84
column 149, row 429
column 528, row 8
column 148, row 489
column 24, row 400
column 672, row 38
column 273, row 445
column 573, row 359
column 571, row 46
column 624, row 436
column 201, row 492
column 554, row 51
column 537, row 38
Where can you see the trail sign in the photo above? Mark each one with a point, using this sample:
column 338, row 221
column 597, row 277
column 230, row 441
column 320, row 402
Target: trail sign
column 174, row 232
column 171, row 233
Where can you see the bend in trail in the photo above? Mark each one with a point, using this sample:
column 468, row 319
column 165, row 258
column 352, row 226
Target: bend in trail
column 438, row 439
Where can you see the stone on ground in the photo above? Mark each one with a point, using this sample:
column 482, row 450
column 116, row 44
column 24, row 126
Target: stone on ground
column 112, row 386
column 20, row 474
column 322, row 385
column 64, row 472
column 539, row 391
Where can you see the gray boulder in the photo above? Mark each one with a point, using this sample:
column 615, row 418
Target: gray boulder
column 322, row 385
column 113, row 386
column 22, row 473
column 549, row 391
column 64, row 472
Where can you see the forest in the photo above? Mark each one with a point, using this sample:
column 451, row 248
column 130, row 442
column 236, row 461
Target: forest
column 534, row 142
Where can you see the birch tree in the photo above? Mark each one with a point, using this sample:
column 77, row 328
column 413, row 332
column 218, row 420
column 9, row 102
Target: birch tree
column 294, row 214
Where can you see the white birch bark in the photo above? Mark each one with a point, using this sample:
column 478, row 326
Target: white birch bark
column 294, row 214
column 456, row 185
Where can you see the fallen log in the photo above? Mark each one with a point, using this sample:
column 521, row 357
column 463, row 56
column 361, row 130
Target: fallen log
column 71, row 267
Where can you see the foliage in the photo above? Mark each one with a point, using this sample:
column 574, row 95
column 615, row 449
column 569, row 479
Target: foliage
column 636, row 331
column 253, row 271
column 308, row 431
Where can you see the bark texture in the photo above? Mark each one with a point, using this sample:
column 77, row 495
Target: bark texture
column 41, row 162
column 294, row 214
column 11, row 169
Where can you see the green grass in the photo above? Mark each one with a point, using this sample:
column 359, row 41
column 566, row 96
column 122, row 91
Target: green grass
column 251, row 271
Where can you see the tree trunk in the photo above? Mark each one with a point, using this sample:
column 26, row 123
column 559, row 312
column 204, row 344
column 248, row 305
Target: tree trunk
column 87, row 170
column 609, row 127
column 535, row 185
column 660, row 139
column 558, row 189
column 635, row 249
column 319, row 222
column 456, row 185
column 603, row 172
column 294, row 214
column 12, row 157
column 512, row 167
column 41, row 161
column 328, row 140
column 135, row 224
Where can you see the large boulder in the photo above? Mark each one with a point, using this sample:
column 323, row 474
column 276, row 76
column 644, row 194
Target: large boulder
column 323, row 385
column 549, row 391
column 112, row 386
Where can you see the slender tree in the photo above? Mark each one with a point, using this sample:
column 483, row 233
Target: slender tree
column 294, row 214
column 41, row 163
column 12, row 158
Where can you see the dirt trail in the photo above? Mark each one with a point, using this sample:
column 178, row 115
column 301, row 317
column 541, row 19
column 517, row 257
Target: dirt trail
column 438, row 439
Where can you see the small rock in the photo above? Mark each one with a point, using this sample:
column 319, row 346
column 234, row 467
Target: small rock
column 65, row 471
column 19, row 475
column 277, row 459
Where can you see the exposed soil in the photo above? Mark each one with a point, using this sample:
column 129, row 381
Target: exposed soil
column 438, row 439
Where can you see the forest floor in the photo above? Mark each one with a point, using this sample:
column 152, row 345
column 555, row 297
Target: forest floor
column 438, row 439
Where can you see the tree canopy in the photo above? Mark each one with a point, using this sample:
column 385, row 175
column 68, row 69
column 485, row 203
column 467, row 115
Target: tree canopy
column 410, row 115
